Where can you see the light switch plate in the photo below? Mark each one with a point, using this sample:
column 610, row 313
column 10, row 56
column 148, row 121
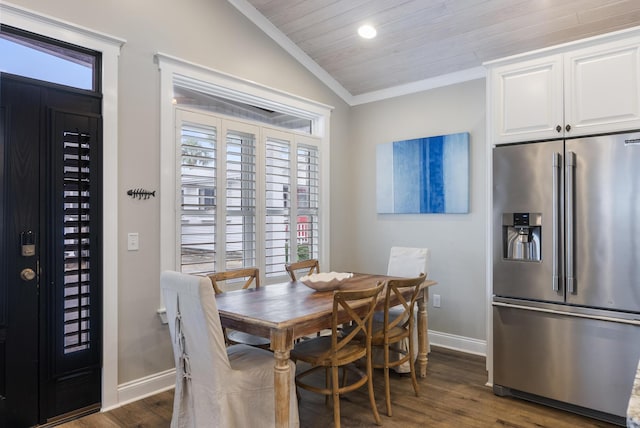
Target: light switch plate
column 133, row 241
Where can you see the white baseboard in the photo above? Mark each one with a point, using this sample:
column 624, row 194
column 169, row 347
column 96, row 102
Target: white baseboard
column 144, row 387
column 458, row 343
column 159, row 382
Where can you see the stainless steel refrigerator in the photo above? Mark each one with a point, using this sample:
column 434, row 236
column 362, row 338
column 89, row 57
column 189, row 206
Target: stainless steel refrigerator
column 566, row 272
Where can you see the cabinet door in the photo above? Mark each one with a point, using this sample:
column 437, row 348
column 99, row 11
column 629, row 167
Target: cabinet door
column 526, row 100
column 602, row 90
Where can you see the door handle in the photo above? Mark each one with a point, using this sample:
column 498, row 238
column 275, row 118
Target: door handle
column 570, row 207
column 556, row 219
column 27, row 274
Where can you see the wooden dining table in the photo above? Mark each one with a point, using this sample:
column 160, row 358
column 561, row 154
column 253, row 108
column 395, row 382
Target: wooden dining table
column 286, row 311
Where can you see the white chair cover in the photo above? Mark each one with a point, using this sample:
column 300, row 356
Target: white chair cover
column 406, row 263
column 216, row 386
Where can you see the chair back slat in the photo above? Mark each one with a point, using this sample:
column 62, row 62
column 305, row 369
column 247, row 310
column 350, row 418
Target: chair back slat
column 312, row 265
column 352, row 303
column 395, row 290
column 252, row 275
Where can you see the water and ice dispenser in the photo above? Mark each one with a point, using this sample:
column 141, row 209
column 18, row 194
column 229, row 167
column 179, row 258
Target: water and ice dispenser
column 521, row 234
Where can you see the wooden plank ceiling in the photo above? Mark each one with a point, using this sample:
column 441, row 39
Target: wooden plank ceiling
column 421, row 39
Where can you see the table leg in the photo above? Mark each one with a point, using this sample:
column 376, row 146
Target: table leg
column 423, row 337
column 281, row 344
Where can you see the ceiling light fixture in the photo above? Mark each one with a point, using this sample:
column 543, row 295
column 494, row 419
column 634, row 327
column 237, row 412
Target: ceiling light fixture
column 367, row 31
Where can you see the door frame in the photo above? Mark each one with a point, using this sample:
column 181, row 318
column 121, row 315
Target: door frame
column 110, row 47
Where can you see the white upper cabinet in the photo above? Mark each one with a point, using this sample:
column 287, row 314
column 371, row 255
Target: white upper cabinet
column 526, row 100
column 591, row 88
column 602, row 90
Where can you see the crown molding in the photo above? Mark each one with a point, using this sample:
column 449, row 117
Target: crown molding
column 421, row 85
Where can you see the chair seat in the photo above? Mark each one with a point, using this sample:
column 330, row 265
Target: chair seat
column 394, row 312
column 396, row 334
column 378, row 356
column 235, row 337
column 312, row 350
column 253, row 360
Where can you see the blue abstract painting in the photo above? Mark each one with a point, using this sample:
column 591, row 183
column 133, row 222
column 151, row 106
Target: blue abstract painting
column 423, row 175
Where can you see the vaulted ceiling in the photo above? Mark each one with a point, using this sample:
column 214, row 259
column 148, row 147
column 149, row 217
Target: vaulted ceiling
column 421, row 40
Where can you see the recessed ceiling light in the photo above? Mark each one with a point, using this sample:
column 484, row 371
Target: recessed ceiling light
column 367, row 31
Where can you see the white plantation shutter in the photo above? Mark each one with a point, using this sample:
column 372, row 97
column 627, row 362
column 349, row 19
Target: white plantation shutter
column 76, row 233
column 278, row 205
column 198, row 189
column 308, row 195
column 240, row 229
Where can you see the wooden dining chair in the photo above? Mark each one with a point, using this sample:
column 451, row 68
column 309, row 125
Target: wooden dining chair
column 405, row 262
column 342, row 350
column 396, row 328
column 311, row 265
column 251, row 276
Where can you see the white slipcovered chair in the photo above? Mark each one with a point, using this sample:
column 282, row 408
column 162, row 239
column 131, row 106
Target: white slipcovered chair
column 404, row 262
column 216, row 386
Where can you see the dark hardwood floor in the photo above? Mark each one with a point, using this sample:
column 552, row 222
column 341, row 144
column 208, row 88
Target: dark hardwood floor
column 452, row 395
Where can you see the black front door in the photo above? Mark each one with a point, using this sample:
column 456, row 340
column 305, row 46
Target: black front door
column 50, row 256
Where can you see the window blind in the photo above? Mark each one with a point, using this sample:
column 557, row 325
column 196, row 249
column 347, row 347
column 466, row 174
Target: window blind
column 76, row 235
column 240, row 231
column 199, row 198
column 308, row 187
column 278, row 206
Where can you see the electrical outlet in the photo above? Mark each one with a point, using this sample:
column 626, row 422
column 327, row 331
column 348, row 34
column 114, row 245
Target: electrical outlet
column 436, row 300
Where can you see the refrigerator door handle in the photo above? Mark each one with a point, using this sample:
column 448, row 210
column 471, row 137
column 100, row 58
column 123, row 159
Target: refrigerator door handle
column 557, row 171
column 570, row 236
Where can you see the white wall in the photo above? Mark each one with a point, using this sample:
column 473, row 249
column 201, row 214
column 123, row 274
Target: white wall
column 457, row 241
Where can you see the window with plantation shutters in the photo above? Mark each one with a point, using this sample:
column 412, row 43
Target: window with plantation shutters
column 198, row 194
column 264, row 204
column 249, row 195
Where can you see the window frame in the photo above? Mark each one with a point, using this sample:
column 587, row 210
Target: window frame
column 174, row 71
